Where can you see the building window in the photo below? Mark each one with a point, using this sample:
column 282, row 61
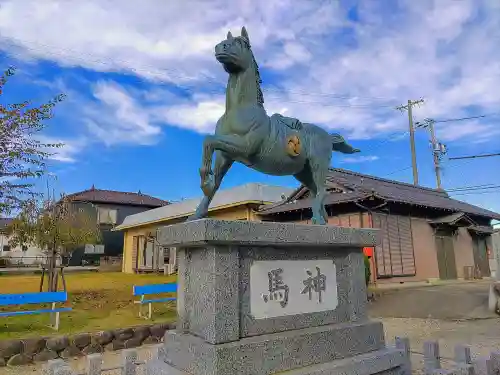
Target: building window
column 6, row 248
column 106, row 215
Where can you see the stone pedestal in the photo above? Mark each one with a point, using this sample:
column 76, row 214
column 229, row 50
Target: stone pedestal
column 259, row 298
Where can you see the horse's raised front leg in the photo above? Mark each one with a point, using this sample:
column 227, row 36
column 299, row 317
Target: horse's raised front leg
column 232, row 145
column 222, row 165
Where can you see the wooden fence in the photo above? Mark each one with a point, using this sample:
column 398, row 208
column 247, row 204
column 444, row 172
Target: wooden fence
column 461, row 364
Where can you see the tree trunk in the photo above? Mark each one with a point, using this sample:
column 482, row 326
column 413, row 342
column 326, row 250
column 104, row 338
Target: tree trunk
column 52, row 274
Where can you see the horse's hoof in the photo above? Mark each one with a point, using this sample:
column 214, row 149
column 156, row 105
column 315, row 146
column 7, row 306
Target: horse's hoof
column 317, row 221
column 197, row 216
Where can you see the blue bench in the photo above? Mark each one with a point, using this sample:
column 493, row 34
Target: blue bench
column 147, row 292
column 36, row 298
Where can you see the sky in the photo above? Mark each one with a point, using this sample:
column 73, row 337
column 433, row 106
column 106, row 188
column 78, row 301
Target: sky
column 143, row 87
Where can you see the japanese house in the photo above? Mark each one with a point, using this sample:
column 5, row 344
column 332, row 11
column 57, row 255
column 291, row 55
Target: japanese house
column 110, row 208
column 425, row 233
column 141, row 253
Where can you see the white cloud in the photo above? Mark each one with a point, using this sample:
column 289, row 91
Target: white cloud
column 340, row 73
column 359, row 159
column 116, row 117
column 199, row 115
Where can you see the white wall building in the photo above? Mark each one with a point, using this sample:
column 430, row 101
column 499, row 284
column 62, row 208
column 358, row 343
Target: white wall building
column 26, row 255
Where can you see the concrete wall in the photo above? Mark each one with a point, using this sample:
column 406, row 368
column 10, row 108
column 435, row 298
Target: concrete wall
column 495, row 249
column 424, row 247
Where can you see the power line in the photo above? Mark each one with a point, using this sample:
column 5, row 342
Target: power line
column 467, row 118
column 398, row 170
column 474, row 187
column 477, row 193
column 383, row 141
column 474, row 156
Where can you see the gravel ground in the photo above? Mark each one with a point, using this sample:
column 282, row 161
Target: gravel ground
column 482, row 335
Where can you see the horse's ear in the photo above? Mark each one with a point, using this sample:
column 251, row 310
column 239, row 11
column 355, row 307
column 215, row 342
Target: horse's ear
column 229, row 35
column 244, row 33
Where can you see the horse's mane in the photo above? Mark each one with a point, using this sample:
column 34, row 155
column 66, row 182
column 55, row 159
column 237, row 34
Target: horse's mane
column 260, row 95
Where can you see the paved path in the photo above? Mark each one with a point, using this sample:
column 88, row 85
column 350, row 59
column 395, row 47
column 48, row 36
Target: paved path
column 445, row 302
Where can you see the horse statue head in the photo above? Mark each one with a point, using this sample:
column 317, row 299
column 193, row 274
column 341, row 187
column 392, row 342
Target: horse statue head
column 236, row 56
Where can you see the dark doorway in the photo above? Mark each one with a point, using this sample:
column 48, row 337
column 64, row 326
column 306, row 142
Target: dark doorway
column 446, row 255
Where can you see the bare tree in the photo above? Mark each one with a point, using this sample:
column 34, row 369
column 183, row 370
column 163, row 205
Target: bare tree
column 58, row 228
column 22, row 155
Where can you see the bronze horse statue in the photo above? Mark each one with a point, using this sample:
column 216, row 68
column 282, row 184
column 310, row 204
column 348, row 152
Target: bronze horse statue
column 275, row 145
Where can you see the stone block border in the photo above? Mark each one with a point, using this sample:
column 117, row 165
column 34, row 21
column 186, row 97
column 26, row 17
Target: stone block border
column 17, row 352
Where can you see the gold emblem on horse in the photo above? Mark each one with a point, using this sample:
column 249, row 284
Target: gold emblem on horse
column 293, row 145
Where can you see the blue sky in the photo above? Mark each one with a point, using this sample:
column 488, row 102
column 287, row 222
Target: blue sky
column 143, row 86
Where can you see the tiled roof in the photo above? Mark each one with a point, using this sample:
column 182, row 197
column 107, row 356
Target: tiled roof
column 94, row 195
column 363, row 186
column 252, row 192
column 452, row 219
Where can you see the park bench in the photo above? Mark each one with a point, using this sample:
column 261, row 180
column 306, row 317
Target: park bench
column 147, row 293
column 36, row 298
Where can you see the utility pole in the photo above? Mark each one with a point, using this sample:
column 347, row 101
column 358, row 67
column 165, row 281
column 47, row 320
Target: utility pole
column 408, row 108
column 438, row 149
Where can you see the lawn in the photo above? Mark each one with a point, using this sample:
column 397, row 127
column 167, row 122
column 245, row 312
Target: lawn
column 100, row 301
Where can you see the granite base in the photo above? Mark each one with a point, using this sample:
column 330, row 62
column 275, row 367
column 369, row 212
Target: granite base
column 380, row 362
column 270, row 353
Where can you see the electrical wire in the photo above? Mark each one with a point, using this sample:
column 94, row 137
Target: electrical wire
column 472, row 188
column 398, row 170
column 393, row 137
column 477, row 192
column 467, row 118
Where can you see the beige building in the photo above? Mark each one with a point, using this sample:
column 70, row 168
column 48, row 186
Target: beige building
column 141, row 252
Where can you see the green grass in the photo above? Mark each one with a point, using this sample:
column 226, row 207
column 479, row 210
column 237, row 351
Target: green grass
column 100, row 301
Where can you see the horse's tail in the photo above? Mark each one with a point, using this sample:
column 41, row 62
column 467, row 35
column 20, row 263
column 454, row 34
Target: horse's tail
column 339, row 144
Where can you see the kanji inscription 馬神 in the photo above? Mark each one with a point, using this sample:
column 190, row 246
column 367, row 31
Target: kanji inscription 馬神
column 291, row 287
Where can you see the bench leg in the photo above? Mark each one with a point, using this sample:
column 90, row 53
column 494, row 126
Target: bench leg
column 56, row 326
column 54, row 318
